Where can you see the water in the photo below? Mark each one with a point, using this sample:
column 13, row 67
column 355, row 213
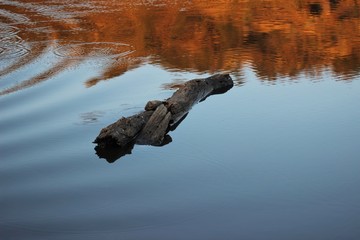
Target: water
column 276, row 157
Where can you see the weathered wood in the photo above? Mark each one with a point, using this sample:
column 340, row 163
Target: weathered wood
column 195, row 91
column 151, row 126
column 152, row 105
column 123, row 131
column 155, row 129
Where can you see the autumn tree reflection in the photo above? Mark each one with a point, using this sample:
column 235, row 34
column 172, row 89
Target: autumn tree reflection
column 277, row 38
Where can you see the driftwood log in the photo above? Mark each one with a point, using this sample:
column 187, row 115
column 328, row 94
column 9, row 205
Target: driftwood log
column 151, row 126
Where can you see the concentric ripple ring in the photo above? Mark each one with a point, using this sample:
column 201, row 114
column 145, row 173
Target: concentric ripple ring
column 94, row 50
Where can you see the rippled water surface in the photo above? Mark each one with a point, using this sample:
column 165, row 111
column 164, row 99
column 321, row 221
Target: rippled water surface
column 276, row 157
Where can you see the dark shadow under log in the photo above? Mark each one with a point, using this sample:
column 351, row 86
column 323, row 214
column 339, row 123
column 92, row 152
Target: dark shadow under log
column 151, row 126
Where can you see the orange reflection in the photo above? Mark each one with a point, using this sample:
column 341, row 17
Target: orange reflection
column 278, row 38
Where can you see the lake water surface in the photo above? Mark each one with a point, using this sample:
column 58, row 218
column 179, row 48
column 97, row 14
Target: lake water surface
column 275, row 157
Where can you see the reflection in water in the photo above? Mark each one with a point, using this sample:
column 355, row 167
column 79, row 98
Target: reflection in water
column 58, row 67
column 91, row 117
column 113, row 153
column 94, row 50
column 278, row 38
column 268, row 162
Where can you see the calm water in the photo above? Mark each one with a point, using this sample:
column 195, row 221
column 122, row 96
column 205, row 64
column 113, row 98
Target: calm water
column 276, row 157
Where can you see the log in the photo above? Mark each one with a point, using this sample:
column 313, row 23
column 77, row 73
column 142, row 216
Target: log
column 155, row 129
column 151, row 126
column 195, row 91
column 123, row 131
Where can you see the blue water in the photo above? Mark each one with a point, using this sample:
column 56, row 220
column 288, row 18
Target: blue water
column 266, row 160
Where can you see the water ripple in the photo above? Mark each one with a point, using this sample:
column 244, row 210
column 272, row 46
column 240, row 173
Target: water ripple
column 12, row 49
column 14, row 17
column 94, row 50
column 8, row 31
